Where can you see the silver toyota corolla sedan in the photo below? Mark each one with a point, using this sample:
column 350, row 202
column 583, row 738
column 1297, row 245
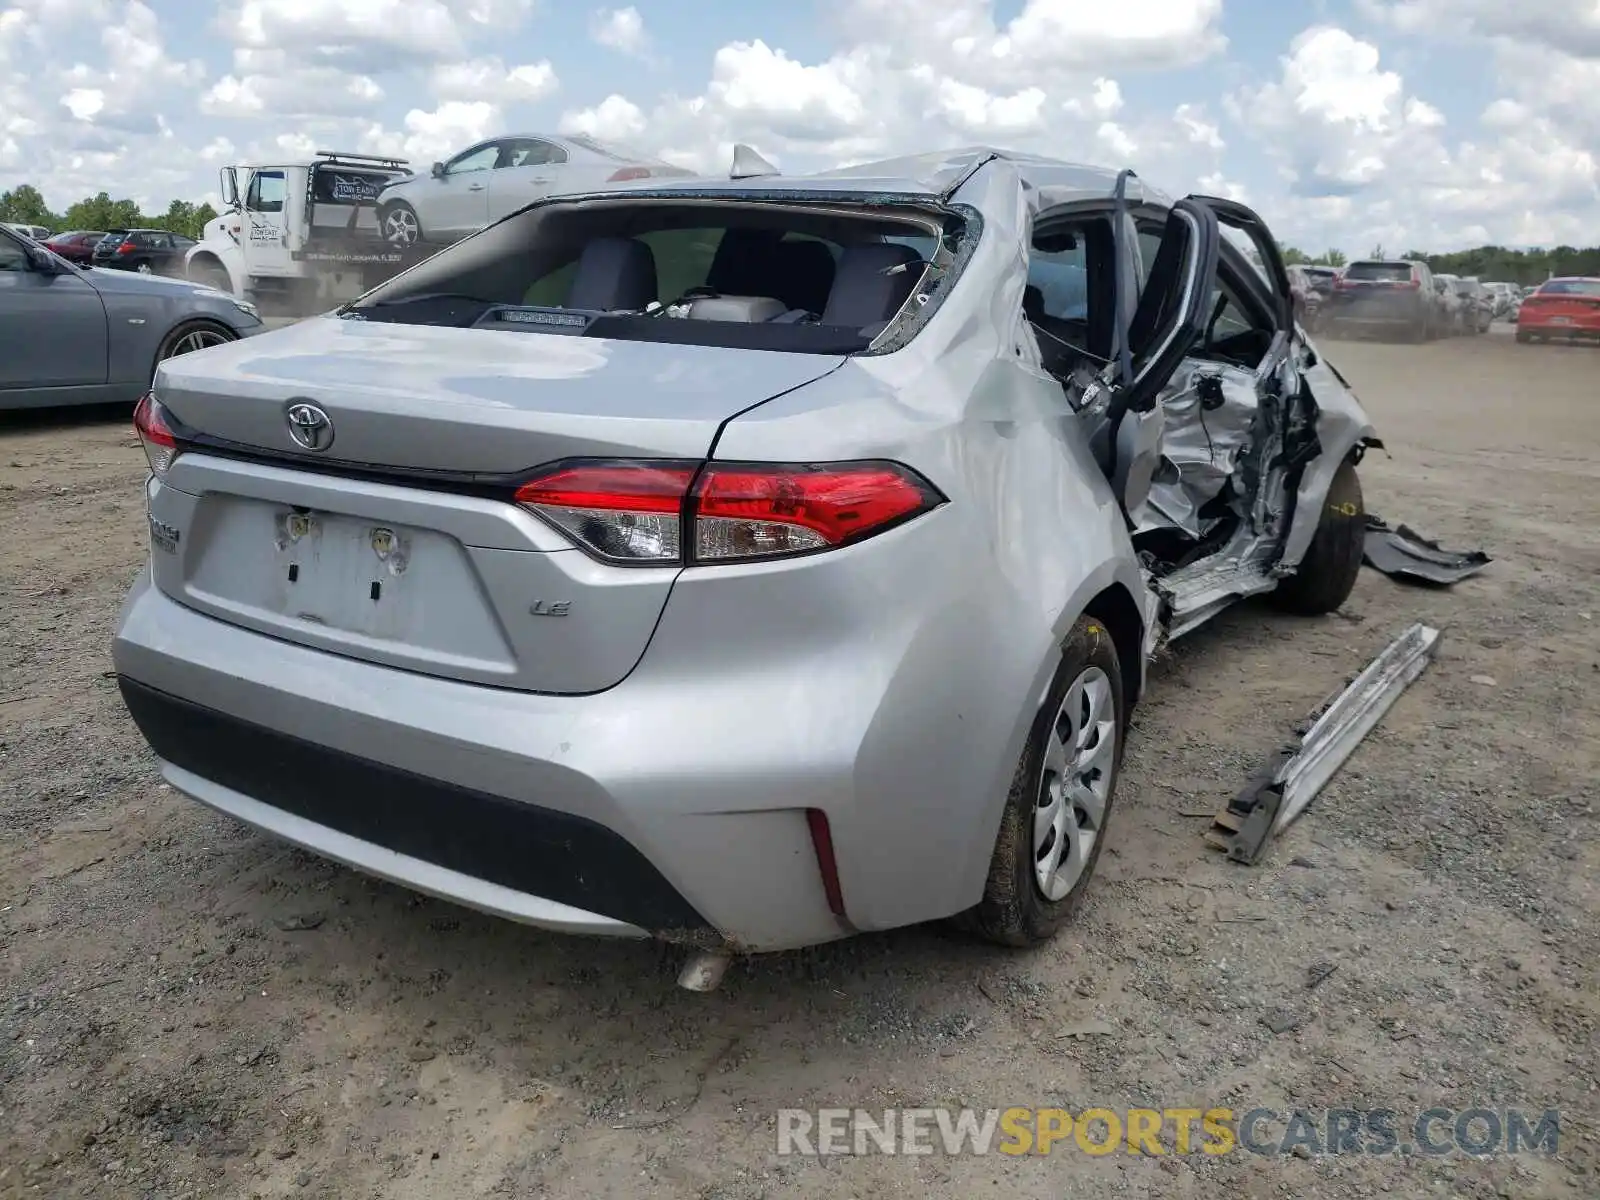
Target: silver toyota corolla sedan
column 744, row 563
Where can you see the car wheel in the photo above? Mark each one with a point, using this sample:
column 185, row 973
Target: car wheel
column 1327, row 573
column 144, row 269
column 191, row 336
column 1054, row 824
column 212, row 275
column 400, row 225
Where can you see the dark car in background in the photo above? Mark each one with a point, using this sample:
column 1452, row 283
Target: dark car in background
column 75, row 245
column 1377, row 296
column 147, row 251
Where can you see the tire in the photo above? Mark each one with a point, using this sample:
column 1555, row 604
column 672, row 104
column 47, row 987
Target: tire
column 1327, row 574
column 399, row 225
column 212, row 275
column 144, row 268
column 190, row 336
column 1016, row 910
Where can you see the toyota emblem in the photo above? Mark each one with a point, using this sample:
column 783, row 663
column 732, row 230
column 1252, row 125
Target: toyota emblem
column 309, row 426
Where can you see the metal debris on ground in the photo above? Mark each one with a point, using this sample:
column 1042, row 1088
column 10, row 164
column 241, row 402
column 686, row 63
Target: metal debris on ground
column 1404, row 554
column 1285, row 786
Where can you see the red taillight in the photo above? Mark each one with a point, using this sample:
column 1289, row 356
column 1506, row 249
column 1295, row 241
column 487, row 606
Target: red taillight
column 126, row 248
column 629, row 173
column 1412, row 285
column 626, row 512
column 637, row 512
column 827, row 864
column 155, row 435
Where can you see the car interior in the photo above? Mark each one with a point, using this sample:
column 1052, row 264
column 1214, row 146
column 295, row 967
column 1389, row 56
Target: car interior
column 774, row 266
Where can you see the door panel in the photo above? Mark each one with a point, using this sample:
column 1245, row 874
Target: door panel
column 266, row 245
column 55, row 326
column 530, row 169
column 457, row 204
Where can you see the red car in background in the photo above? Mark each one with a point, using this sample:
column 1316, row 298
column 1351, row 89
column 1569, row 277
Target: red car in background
column 1561, row 308
column 76, row 245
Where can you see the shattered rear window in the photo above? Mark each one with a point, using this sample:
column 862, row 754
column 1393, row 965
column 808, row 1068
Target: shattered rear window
column 806, row 277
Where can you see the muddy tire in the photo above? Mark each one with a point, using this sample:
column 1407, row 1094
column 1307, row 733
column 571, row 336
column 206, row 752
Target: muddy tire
column 1327, row 573
column 1036, row 882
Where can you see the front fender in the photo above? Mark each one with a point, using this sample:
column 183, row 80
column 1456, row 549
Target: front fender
column 1342, row 425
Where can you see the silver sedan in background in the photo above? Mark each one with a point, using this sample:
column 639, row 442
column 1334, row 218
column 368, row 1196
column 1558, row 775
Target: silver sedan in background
column 493, row 179
column 70, row 336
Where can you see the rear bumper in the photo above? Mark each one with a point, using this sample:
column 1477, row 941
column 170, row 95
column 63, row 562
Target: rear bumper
column 1576, row 327
column 672, row 805
column 517, row 860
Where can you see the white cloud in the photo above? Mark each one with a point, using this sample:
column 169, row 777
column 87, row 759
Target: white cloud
column 1341, row 141
column 620, row 29
column 614, row 119
column 488, row 79
column 1566, row 26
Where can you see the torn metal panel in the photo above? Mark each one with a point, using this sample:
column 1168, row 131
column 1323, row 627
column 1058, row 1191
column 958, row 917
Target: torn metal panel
column 1403, row 553
column 1209, row 416
column 1291, row 779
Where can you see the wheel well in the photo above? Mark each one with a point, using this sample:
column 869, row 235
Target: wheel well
column 1116, row 609
column 205, row 260
column 185, row 326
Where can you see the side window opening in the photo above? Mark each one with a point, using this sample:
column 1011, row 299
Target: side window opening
column 481, row 159
column 1066, row 299
column 1237, row 331
column 267, row 191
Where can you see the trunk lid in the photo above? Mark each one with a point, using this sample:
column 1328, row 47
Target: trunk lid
column 440, row 574
column 473, row 401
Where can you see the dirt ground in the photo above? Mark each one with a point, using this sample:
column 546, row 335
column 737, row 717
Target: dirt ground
column 189, row 1009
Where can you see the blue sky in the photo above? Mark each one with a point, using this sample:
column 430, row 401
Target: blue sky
column 1346, row 122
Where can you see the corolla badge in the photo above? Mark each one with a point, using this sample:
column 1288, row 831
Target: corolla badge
column 309, row 426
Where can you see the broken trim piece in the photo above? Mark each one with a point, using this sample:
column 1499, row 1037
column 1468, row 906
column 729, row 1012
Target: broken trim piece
column 1286, row 785
column 1405, row 554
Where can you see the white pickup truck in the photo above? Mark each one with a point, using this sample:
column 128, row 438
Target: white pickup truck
column 297, row 236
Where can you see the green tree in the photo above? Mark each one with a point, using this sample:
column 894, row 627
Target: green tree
column 102, row 212
column 1293, row 255
column 24, row 205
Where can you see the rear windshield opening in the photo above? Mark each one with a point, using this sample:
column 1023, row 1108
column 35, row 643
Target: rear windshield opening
column 1377, row 272
column 823, row 278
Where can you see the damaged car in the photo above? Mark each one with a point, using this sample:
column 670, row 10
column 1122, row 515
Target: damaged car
column 741, row 562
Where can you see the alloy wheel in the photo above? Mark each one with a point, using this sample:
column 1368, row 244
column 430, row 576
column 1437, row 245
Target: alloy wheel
column 196, row 339
column 1075, row 784
column 400, row 227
